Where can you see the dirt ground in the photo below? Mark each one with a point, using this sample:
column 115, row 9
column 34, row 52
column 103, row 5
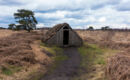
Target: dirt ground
column 68, row 68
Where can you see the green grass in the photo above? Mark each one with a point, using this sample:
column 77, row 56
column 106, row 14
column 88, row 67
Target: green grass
column 101, row 61
column 91, row 54
column 10, row 69
column 93, row 61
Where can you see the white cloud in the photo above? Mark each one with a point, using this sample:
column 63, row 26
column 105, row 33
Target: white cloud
column 102, row 19
column 40, row 25
column 57, row 14
column 7, row 11
column 78, row 27
column 75, row 12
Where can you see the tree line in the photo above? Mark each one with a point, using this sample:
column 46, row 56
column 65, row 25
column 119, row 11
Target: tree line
column 102, row 28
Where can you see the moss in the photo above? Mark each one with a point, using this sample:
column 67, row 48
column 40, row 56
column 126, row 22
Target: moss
column 10, row 69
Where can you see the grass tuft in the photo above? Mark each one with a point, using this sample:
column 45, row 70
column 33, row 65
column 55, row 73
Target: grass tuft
column 6, row 71
column 10, row 70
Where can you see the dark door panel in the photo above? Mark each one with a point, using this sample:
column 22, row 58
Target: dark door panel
column 66, row 37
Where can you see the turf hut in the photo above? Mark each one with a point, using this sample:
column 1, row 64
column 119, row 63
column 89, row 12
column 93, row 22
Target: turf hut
column 62, row 35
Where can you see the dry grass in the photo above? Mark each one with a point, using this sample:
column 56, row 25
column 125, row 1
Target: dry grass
column 111, row 39
column 16, row 49
column 23, row 50
column 118, row 67
column 5, row 33
column 106, row 35
column 20, row 50
column 38, row 51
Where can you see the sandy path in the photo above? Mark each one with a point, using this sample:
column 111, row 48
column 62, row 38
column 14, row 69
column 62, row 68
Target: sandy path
column 68, row 68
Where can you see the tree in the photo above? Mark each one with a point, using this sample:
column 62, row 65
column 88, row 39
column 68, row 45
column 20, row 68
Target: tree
column 11, row 26
column 105, row 28
column 90, row 28
column 26, row 18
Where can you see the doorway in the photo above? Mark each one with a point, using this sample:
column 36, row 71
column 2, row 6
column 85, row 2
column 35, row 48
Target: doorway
column 65, row 37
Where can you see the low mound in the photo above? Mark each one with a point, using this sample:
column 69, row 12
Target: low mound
column 118, row 67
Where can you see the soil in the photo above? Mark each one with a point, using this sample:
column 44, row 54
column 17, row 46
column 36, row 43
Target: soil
column 68, row 68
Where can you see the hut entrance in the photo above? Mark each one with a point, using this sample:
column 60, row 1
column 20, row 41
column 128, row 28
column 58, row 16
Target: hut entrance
column 65, row 36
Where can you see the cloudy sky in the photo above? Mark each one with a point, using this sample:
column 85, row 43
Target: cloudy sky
column 78, row 13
